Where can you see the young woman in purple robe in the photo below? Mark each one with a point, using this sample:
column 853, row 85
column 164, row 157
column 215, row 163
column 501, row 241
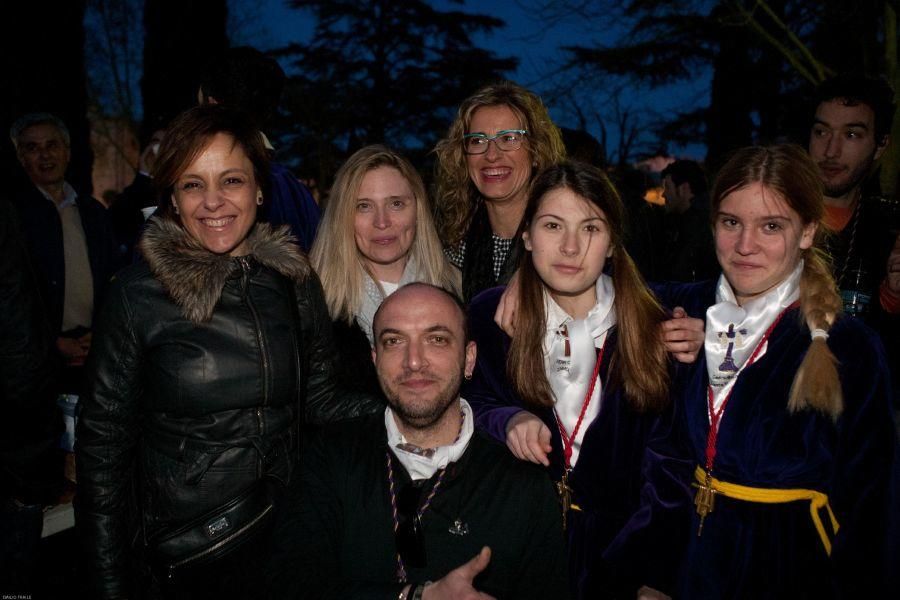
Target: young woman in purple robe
column 789, row 430
column 584, row 382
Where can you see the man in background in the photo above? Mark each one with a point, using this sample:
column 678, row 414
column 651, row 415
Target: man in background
column 137, row 201
column 850, row 132
column 68, row 236
column 686, row 251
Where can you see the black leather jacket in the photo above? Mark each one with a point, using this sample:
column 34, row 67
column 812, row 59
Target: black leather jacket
column 203, row 369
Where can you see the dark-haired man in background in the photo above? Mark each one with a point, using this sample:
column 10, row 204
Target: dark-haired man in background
column 850, row 131
column 686, row 252
column 137, row 201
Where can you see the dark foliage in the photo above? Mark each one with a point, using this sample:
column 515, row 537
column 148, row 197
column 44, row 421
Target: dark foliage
column 42, row 51
column 180, row 39
column 380, row 71
column 758, row 54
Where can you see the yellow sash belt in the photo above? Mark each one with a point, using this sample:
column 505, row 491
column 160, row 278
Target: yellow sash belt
column 817, row 500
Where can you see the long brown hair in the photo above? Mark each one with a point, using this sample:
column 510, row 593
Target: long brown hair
column 457, row 197
column 639, row 360
column 788, row 171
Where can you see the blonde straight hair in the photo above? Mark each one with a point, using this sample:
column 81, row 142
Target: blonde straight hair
column 334, row 254
column 788, row 171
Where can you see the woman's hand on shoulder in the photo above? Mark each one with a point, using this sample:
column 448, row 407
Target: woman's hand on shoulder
column 528, row 438
column 683, row 335
column 505, row 315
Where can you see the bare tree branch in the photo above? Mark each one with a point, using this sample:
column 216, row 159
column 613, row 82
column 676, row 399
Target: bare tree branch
column 814, row 71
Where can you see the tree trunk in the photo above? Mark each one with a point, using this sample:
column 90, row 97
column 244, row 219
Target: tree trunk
column 728, row 124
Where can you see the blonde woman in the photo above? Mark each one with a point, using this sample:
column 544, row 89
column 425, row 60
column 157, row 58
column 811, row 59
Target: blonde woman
column 501, row 138
column 376, row 235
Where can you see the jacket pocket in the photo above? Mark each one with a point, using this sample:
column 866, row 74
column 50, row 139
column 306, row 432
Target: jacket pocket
column 212, row 534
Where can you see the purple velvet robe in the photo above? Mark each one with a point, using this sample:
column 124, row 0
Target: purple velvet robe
column 754, row 550
column 607, row 478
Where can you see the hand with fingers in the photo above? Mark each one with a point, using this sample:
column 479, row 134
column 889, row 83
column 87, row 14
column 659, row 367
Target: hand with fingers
column 528, row 438
column 683, row 335
column 457, row 584
column 505, row 315
column 74, row 350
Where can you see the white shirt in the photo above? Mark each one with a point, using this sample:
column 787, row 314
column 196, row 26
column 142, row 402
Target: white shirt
column 424, row 467
column 570, row 355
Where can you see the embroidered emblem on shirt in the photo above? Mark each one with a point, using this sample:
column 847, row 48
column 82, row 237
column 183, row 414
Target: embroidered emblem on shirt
column 564, row 333
column 564, row 363
column 458, row 528
column 732, row 339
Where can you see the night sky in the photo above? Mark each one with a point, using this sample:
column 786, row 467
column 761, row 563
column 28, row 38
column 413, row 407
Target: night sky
column 268, row 24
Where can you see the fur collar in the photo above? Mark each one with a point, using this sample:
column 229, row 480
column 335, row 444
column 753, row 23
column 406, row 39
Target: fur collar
column 194, row 277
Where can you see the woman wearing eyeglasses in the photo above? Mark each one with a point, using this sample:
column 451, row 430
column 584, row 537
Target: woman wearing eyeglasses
column 501, row 137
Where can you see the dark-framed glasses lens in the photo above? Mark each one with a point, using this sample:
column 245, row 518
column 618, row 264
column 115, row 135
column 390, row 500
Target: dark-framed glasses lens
column 509, row 141
column 475, row 144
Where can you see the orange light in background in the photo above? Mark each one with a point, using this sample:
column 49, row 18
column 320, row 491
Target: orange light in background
column 654, row 195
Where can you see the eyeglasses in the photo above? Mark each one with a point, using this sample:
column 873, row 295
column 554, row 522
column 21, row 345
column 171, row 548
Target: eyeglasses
column 409, row 537
column 506, row 140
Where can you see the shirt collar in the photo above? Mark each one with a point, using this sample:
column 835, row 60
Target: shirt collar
column 424, row 467
column 69, row 195
column 606, row 293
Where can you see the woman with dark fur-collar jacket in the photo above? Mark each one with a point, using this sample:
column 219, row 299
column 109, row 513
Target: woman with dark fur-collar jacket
column 206, row 361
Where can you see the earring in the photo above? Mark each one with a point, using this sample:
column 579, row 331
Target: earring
column 468, row 376
column 175, row 206
column 259, row 198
